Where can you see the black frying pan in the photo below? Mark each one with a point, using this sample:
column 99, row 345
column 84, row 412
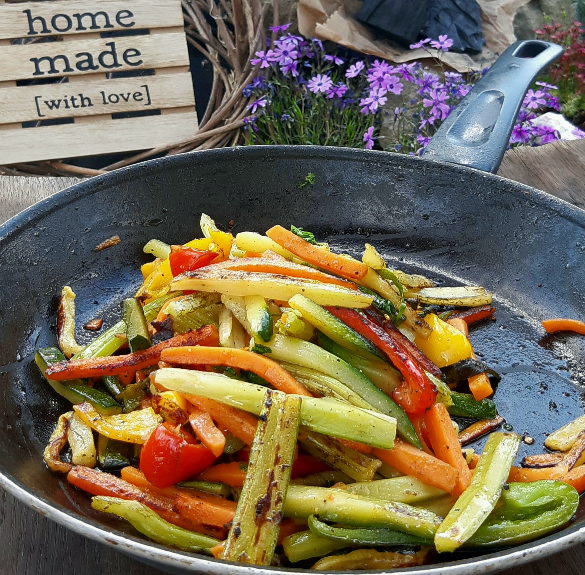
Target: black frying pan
column 452, row 223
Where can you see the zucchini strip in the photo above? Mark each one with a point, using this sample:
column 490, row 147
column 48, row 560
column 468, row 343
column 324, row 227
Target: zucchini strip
column 254, row 532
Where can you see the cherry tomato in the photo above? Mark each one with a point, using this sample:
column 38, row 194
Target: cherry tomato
column 168, row 458
column 184, row 259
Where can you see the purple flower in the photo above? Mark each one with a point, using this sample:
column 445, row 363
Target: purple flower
column 285, row 53
column 406, row 71
column 286, row 118
column 427, row 83
column 262, row 59
column 250, row 123
column 318, row 44
column 369, row 138
column 420, row 44
column 375, row 99
column 579, row 134
column 423, row 140
column 553, row 102
column 453, row 77
column 337, row 91
column 259, row 103
column 444, row 43
column 277, row 29
column 544, row 134
column 380, row 67
column 520, row 135
column 392, row 84
column 333, row 59
column 533, row 99
column 462, row 90
column 547, row 86
column 290, row 67
column 319, row 83
column 355, row 69
column 436, row 100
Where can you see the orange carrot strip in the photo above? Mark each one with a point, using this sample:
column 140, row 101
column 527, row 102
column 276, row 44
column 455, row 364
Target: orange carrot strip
column 115, row 365
column 474, row 461
column 418, row 422
column 341, row 265
column 127, row 377
column 576, row 478
column 281, row 266
column 202, row 508
column 542, row 460
column 479, row 384
column 238, row 422
column 446, row 446
column 412, row 461
column 289, row 527
column 231, row 474
column 361, row 447
column 266, row 368
column 217, row 551
column 552, row 325
column 525, row 475
column 206, row 430
column 98, row 482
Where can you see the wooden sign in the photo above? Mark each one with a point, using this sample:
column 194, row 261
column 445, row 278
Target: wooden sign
column 80, row 78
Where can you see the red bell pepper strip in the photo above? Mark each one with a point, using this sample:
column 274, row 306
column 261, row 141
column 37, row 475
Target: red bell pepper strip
column 168, row 458
column 307, row 464
column 183, row 259
column 396, row 335
column 474, row 314
column 416, row 393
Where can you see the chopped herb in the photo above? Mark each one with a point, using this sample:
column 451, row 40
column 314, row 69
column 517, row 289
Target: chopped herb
column 309, row 179
column 307, row 236
column 261, row 349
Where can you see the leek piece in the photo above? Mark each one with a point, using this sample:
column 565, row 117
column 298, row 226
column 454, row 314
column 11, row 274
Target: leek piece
column 324, row 415
column 157, row 248
column 254, row 532
column 480, row 498
column 153, row 526
column 339, row 506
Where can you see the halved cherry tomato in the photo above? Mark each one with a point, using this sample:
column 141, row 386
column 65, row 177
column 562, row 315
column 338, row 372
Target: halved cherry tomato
column 183, row 259
column 169, row 457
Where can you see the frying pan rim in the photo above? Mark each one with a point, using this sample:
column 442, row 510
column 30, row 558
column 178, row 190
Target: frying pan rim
column 149, row 551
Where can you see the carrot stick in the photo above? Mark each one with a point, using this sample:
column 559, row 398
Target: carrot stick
column 361, row 447
column 127, row 377
column 418, row 422
column 576, row 478
column 525, row 475
column 115, row 365
column 479, row 384
column 341, row 265
column 289, row 527
column 98, row 482
column 238, row 422
column 232, row 474
column 206, row 430
column 416, row 463
column 446, row 446
column 281, row 266
column 266, row 368
column 552, row 325
column 542, row 460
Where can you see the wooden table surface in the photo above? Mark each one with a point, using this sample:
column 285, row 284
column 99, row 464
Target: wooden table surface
column 30, row 544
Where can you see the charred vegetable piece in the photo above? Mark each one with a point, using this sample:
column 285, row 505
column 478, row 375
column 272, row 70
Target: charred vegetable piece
column 479, row 428
column 461, row 296
column 66, row 323
column 81, row 442
column 254, row 532
column 384, row 306
column 113, row 385
column 564, row 438
column 113, row 455
column 153, row 526
column 75, row 390
column 473, row 314
column 136, row 327
column 480, row 498
column 465, row 369
column 56, row 443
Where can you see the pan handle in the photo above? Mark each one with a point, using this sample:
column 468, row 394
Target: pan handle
column 477, row 132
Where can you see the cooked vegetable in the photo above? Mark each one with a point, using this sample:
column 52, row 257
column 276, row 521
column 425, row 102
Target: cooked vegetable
column 157, row 248
column 183, row 259
column 206, row 431
column 404, row 489
column 231, row 332
column 270, row 286
column 473, row 314
column 259, row 317
column 133, row 427
column 66, row 323
column 476, row 503
column 254, row 532
column 112, row 455
column 554, row 325
column 470, row 296
column 136, row 328
column 253, row 242
column 81, row 442
column 564, row 438
column 324, row 415
column 446, row 345
column 57, row 441
column 465, row 405
column 479, row 428
column 153, row 526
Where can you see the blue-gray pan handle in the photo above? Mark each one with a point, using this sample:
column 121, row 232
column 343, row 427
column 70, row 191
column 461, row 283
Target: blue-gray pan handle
column 477, row 132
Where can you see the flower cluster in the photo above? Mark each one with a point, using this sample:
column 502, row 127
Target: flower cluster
column 568, row 73
column 306, row 96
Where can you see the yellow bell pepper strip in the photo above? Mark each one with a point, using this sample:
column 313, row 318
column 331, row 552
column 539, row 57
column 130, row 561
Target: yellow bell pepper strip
column 153, row 526
column 254, row 532
column 446, row 345
column 527, row 511
column 56, row 443
column 480, row 498
column 134, row 427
